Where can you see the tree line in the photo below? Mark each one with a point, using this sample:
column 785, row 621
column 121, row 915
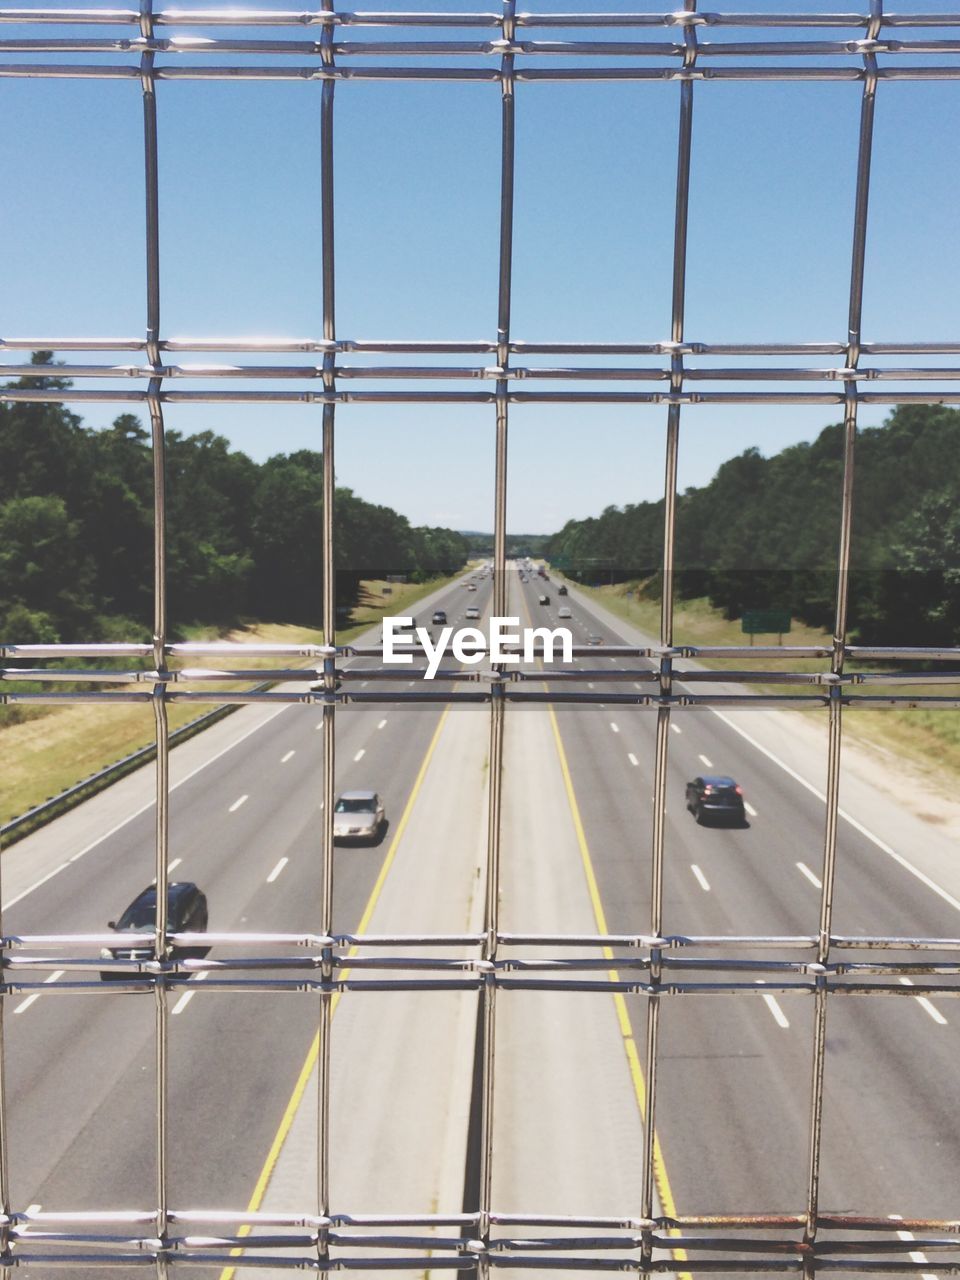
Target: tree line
column 243, row 539
column 764, row 533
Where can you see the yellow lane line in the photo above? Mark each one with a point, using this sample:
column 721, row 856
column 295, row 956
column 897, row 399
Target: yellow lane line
column 667, row 1202
column 664, row 1190
column 273, row 1155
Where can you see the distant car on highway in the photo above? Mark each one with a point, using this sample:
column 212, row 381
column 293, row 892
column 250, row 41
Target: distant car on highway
column 439, row 617
column 593, row 638
column 716, row 796
column 561, row 591
column 544, row 599
column 472, row 614
column 471, row 586
column 358, row 815
column 564, row 611
column 186, row 913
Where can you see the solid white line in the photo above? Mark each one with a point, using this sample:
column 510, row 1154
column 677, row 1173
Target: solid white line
column 381, row 724
column 614, row 727
column 49, row 876
column 360, row 754
column 705, row 761
column 778, row 1014
column 750, row 809
column 633, row 759
column 237, row 803
column 288, row 756
column 25, row 1004
column 805, row 871
column 701, row 878
column 858, row 826
column 276, row 870
column 675, row 727
column 151, row 803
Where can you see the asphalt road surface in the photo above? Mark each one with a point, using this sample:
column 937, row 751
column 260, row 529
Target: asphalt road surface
column 734, row 1082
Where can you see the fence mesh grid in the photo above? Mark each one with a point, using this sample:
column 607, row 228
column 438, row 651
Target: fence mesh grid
column 679, row 51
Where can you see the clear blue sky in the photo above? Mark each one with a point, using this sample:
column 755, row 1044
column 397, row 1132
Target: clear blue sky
column 417, row 230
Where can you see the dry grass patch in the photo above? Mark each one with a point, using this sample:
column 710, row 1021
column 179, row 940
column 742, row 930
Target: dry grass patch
column 927, row 739
column 48, row 749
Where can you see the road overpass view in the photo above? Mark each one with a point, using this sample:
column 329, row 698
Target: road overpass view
column 480, row 637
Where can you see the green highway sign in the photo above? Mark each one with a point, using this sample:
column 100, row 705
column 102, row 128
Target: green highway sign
column 765, row 622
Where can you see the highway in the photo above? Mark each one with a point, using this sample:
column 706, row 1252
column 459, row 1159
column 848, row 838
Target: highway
column 734, row 1084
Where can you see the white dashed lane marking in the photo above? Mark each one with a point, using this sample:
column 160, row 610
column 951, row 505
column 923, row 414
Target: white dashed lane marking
column 701, row 878
column 805, row 871
column 926, row 1005
column 25, row 1004
column 381, row 724
column 276, row 870
column 614, row 727
column 750, row 809
column 675, row 727
column 237, row 803
column 915, row 1254
column 705, row 761
column 360, row 754
column 778, row 1015
column 289, row 756
column 633, row 759
column 172, row 866
column 187, row 995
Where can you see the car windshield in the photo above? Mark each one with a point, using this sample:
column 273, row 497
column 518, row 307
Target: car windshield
column 139, row 918
column 363, row 805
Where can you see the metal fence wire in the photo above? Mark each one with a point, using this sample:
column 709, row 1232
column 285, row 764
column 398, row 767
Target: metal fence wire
column 506, row 50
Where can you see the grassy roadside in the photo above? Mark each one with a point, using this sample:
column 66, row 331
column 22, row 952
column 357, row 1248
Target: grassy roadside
column 928, row 740
column 53, row 748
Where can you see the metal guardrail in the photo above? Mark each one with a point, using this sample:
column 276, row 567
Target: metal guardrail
column 26, row 822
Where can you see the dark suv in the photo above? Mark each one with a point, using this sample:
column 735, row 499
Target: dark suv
column 186, row 913
column 716, row 796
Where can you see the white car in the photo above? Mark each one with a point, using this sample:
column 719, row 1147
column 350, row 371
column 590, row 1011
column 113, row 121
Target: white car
column 358, row 815
column 472, row 614
column 564, row 611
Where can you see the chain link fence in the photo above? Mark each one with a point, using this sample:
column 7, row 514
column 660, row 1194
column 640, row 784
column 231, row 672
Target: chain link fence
column 678, row 53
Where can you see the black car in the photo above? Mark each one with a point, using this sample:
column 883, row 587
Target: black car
column 715, row 796
column 544, row 599
column 186, row 913
column 439, row 617
column 561, row 591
